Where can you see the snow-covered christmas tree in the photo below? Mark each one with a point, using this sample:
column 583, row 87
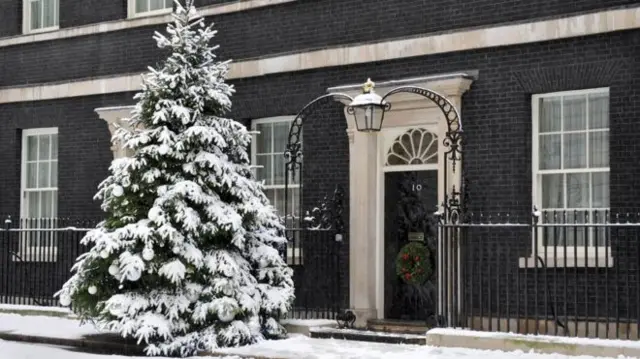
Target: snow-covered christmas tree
column 187, row 257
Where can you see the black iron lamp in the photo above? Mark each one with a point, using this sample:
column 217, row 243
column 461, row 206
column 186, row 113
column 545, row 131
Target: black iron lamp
column 368, row 109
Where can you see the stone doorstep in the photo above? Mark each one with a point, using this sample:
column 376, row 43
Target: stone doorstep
column 526, row 344
column 367, row 336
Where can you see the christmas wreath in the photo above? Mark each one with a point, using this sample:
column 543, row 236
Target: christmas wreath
column 413, row 264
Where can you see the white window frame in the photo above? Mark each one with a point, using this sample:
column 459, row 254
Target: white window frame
column 557, row 258
column 294, row 255
column 132, row 14
column 26, row 252
column 26, row 18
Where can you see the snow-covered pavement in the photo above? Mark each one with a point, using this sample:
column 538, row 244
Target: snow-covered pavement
column 12, row 350
column 296, row 347
column 299, row 347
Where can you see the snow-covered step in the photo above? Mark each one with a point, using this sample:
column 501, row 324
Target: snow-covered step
column 367, row 336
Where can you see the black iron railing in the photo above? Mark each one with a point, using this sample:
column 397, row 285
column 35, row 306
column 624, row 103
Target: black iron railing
column 572, row 273
column 36, row 256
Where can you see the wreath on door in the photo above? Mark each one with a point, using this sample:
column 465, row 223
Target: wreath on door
column 413, row 264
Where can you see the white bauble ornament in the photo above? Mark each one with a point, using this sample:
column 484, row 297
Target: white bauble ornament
column 93, row 290
column 117, row 191
column 118, row 276
column 104, row 254
column 65, row 300
column 154, row 213
column 176, row 250
column 226, row 316
column 114, row 270
column 134, row 275
column 147, row 254
column 163, row 149
column 192, row 296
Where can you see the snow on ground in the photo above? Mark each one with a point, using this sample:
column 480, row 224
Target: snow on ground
column 301, row 347
column 539, row 338
column 296, row 347
column 12, row 350
column 54, row 327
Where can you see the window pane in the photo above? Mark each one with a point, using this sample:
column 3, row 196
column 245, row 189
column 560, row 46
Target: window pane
column 36, row 15
column 263, row 140
column 54, row 146
column 142, row 6
column 54, row 174
column 575, row 150
column 575, row 116
column 32, row 148
column 49, row 13
column 576, row 235
column 46, row 204
column 44, row 148
column 599, row 111
column 550, row 112
column 600, row 190
column 270, row 195
column 156, row 4
column 168, row 3
column 279, row 203
column 54, row 211
column 294, row 177
column 264, row 173
column 278, row 169
column 33, row 203
column 549, row 152
column 32, row 175
column 43, row 175
column 552, row 191
column 280, row 136
column 578, row 190
column 599, row 149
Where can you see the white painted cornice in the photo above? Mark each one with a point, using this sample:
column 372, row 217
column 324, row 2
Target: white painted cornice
column 449, row 85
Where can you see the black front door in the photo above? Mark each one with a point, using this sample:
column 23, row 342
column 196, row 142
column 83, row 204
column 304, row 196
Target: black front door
column 410, row 245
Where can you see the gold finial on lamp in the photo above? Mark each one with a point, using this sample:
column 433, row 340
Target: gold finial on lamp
column 368, row 86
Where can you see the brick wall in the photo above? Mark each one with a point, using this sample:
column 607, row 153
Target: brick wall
column 496, row 114
column 297, row 26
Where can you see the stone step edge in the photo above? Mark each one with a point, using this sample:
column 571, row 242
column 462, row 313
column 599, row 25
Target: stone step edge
column 102, row 345
column 368, row 336
column 448, row 338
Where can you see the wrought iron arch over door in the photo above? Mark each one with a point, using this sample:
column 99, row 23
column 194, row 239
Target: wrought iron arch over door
column 315, row 225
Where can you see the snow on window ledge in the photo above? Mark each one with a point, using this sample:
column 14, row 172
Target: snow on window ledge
column 569, row 261
column 28, row 31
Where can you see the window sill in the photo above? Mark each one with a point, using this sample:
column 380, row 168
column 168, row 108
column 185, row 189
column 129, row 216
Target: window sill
column 39, row 31
column 38, row 255
column 568, row 262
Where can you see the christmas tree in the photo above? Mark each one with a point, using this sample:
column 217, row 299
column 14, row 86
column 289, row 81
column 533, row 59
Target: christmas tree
column 187, row 258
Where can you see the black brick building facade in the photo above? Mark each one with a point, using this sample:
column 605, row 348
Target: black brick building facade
column 496, row 111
